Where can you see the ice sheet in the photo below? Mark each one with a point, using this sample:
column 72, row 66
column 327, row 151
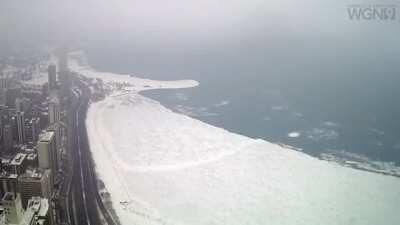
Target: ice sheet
column 167, row 168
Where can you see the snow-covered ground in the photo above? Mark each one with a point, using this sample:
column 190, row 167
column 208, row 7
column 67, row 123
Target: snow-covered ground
column 167, row 168
column 78, row 63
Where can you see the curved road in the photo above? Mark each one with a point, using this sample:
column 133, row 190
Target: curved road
column 84, row 200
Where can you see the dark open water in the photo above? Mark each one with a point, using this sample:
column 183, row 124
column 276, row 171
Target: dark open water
column 337, row 100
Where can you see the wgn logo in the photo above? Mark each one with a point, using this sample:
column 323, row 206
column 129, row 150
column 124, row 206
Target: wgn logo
column 372, row 12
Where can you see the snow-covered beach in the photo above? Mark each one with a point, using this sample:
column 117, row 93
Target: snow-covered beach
column 162, row 167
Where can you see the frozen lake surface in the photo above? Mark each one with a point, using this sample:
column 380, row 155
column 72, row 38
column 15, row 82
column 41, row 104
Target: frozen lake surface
column 162, row 167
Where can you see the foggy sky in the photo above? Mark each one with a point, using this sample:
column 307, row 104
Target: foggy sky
column 181, row 21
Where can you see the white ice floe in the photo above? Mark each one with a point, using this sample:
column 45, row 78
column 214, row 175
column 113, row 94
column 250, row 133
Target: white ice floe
column 298, row 115
column 377, row 131
column 330, row 124
column 194, row 111
column 294, row 134
column 278, row 107
column 167, row 168
column 317, row 134
column 222, row 103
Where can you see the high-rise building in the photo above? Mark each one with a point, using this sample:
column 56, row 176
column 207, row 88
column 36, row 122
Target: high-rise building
column 20, row 119
column 18, row 163
column 3, row 96
column 52, row 76
column 23, row 104
column 12, row 94
column 32, row 160
column 4, row 114
column 64, row 74
column 35, row 129
column 47, row 151
column 32, row 130
column 55, row 127
column 38, row 211
column 54, row 119
column 34, row 182
column 8, row 181
column 54, row 110
column 18, row 104
column 7, row 139
column 14, row 125
column 12, row 208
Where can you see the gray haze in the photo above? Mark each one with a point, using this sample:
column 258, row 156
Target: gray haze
column 151, row 26
column 329, row 66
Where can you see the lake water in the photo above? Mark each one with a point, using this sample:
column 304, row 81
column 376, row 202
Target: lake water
column 318, row 105
column 317, row 81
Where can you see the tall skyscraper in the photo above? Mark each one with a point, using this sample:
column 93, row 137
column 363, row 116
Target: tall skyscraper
column 18, row 104
column 34, row 182
column 7, row 139
column 64, row 74
column 54, row 119
column 12, row 94
column 20, row 127
column 47, row 152
column 3, row 96
column 35, row 129
column 8, row 182
column 4, row 114
column 32, row 130
column 52, row 76
column 54, row 110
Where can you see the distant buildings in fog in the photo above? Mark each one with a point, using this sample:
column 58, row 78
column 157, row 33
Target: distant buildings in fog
column 30, row 147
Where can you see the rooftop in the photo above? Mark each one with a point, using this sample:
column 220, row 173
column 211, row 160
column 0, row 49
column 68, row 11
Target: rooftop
column 46, row 136
column 18, row 159
column 36, row 206
column 8, row 196
column 5, row 161
column 37, row 210
column 34, row 173
column 31, row 156
column 7, row 175
column 27, row 218
column 44, row 206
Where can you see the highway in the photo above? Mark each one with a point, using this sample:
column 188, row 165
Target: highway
column 84, row 203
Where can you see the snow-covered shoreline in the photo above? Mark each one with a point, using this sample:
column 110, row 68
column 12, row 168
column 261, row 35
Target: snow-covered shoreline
column 161, row 167
column 78, row 63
